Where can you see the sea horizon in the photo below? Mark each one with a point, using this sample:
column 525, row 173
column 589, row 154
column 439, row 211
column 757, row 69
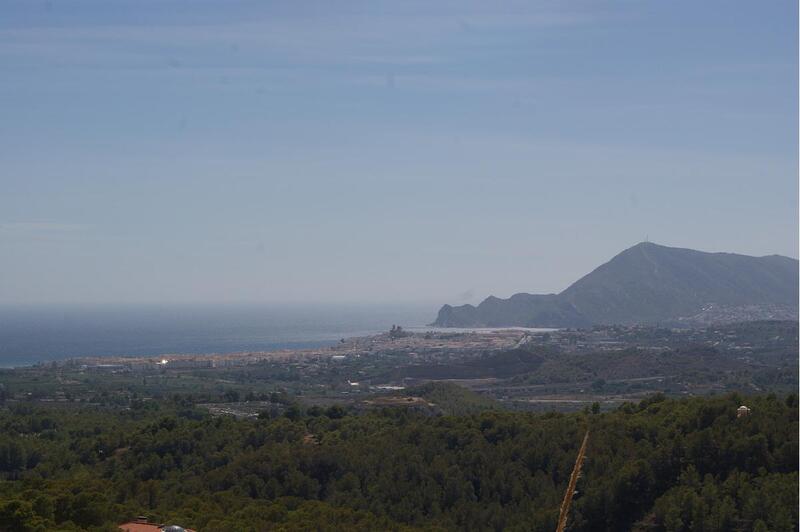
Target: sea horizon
column 34, row 334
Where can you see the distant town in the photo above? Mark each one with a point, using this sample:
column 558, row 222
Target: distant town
column 536, row 369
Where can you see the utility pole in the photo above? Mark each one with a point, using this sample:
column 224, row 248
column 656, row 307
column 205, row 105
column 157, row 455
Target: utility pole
column 573, row 480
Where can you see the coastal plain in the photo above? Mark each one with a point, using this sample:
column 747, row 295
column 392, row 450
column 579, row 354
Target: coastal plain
column 513, row 368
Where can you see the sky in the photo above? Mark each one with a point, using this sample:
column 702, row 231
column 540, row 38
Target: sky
column 174, row 151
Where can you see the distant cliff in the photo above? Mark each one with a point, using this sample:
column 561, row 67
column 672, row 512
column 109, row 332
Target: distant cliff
column 521, row 310
column 645, row 284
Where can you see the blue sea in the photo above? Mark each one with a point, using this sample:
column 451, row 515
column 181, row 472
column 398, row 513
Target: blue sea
column 33, row 334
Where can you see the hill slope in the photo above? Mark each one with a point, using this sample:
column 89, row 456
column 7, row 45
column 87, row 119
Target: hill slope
column 648, row 283
column 453, row 399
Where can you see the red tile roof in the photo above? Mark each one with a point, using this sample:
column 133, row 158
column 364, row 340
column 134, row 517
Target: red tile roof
column 135, row 526
column 141, row 526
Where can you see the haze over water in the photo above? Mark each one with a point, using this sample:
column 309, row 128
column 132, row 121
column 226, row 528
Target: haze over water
column 32, row 334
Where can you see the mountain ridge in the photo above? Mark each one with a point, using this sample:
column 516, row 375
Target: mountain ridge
column 648, row 283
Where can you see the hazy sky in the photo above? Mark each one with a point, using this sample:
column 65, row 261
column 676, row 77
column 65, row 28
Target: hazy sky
column 384, row 151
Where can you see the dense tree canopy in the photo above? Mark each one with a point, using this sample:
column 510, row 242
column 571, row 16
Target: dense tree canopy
column 662, row 464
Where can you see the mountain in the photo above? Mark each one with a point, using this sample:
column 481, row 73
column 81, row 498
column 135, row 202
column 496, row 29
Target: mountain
column 650, row 283
column 522, row 310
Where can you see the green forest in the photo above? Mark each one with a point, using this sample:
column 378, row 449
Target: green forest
column 662, row 465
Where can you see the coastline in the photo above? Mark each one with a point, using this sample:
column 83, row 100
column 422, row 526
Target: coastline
column 243, row 357
column 416, row 338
